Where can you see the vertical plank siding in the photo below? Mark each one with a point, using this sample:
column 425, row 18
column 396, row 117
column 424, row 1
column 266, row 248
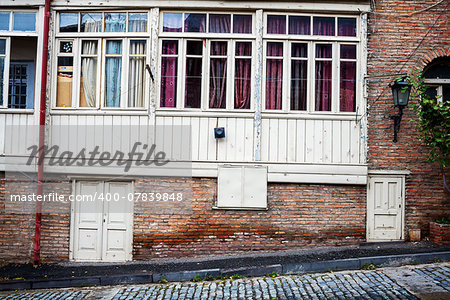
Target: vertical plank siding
column 282, row 140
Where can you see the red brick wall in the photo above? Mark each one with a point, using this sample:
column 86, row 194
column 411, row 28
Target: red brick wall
column 298, row 215
column 397, row 44
column 440, row 233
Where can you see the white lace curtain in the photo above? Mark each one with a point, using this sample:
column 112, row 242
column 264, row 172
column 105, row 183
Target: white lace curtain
column 89, row 72
column 136, row 77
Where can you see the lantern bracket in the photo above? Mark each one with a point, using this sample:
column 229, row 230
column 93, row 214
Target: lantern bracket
column 397, row 120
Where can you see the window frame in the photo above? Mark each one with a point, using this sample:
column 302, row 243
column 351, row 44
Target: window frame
column 102, row 37
column 182, row 38
column 312, row 40
column 7, row 35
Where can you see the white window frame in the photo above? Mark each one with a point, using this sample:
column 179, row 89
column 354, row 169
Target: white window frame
column 312, row 40
column 231, row 39
column 7, row 35
column 126, row 38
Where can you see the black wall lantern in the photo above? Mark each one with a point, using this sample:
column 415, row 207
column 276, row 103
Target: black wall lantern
column 400, row 92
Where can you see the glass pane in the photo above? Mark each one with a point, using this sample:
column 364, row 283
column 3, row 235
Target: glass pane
column 276, row 24
column 274, row 49
column 91, row 22
column 299, row 25
column 2, row 70
column 136, row 78
column 2, row 46
column 446, row 94
column 274, row 83
column 115, row 22
column 220, row 23
column 170, row 47
column 348, row 51
column 299, row 79
column 65, row 47
column 194, row 22
column 299, row 50
column 242, row 83
column 113, row 73
column 242, row 24
column 64, row 82
column 137, row 22
column 219, row 48
column 113, row 47
column 218, row 83
column 68, row 22
column 194, row 48
column 323, row 26
column 323, row 51
column 24, row 21
column 431, row 92
column 346, row 26
column 88, row 75
column 137, row 47
column 243, row 49
column 323, row 86
column 193, row 90
column 89, row 47
column 169, row 67
column 4, row 20
column 347, row 90
column 172, row 22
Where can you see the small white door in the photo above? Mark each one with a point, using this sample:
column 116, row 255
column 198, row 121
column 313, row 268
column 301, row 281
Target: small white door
column 102, row 225
column 385, row 207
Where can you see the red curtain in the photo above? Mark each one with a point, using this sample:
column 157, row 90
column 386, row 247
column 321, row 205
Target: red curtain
column 242, row 24
column 323, row 78
column 347, row 85
column 346, row 26
column 169, row 74
column 274, row 76
column 299, row 76
column 242, row 76
column 218, row 75
column 299, row 25
column 276, row 24
column 219, row 23
column 323, row 26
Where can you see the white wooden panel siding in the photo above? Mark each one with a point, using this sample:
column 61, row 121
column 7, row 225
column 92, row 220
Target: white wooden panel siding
column 17, row 133
column 310, row 141
column 282, row 140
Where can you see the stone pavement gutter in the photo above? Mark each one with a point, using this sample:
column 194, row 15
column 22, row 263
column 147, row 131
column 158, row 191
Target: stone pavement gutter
column 17, row 277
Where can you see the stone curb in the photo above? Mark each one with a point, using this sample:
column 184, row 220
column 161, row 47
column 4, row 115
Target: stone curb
column 293, row 268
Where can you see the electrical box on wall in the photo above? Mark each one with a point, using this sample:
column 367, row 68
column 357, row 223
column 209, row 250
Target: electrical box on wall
column 242, row 187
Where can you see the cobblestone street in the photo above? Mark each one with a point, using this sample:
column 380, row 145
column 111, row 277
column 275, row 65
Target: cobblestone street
column 408, row 282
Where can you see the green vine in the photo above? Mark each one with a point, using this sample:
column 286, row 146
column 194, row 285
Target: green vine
column 434, row 119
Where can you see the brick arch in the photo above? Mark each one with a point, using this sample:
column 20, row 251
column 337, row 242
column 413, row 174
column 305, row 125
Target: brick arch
column 432, row 55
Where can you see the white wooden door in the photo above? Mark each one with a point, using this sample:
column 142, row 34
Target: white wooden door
column 102, row 229
column 87, row 218
column 117, row 225
column 385, row 207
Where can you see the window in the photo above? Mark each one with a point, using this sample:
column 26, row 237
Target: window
column 206, row 60
column 437, row 78
column 96, row 69
column 310, row 63
column 18, row 49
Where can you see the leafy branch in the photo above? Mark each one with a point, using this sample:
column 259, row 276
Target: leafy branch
column 434, row 121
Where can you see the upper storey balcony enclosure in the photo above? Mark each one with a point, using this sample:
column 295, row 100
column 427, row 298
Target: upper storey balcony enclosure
column 284, row 79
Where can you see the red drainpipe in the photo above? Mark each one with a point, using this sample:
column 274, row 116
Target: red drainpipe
column 43, row 108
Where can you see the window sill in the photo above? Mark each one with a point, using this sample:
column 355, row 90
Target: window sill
column 241, row 208
column 96, row 112
column 16, row 111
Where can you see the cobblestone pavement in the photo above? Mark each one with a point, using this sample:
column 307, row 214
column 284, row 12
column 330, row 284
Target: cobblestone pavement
column 439, row 275
column 374, row 284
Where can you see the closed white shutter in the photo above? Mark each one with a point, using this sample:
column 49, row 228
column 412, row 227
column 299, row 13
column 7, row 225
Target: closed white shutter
column 242, row 187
